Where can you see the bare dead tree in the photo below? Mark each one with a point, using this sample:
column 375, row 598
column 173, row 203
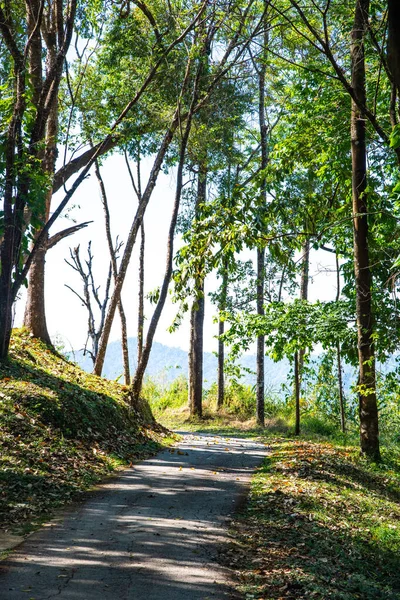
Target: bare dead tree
column 90, row 295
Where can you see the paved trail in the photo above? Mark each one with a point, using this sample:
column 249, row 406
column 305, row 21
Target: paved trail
column 151, row 534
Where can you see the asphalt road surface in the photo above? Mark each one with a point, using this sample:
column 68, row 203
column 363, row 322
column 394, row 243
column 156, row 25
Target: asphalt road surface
column 153, row 533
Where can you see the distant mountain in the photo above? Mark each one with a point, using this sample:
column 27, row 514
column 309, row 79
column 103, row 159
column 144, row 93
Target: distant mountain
column 167, row 363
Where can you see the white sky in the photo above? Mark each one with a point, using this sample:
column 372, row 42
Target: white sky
column 65, row 315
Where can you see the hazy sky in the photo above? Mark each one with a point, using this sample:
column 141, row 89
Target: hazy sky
column 65, row 314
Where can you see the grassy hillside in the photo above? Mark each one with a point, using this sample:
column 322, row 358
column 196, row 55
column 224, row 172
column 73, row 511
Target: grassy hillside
column 61, row 430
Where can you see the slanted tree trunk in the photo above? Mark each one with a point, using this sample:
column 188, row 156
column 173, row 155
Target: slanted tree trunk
column 137, row 380
column 137, row 186
column 140, row 323
column 339, row 358
column 197, row 320
column 369, row 432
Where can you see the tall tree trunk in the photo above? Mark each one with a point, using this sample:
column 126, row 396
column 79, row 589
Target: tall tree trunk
column 35, row 308
column 300, row 354
column 197, row 320
column 140, row 324
column 260, row 385
column 304, row 281
column 297, row 392
column 221, row 359
column 339, row 358
column 260, row 359
column 221, row 345
column 124, row 344
column 369, row 432
column 114, row 267
column 35, row 311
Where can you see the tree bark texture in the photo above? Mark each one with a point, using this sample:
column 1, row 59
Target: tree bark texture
column 196, row 354
column 260, row 359
column 339, row 358
column 35, row 311
column 221, row 345
column 369, row 432
column 297, row 393
column 197, row 320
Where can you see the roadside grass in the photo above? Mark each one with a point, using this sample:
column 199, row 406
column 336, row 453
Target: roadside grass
column 320, row 523
column 61, row 431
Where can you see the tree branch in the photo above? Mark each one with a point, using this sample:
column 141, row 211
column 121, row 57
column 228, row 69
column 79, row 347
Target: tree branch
column 60, row 235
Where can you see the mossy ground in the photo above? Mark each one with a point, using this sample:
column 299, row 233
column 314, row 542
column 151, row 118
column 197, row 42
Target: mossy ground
column 61, row 431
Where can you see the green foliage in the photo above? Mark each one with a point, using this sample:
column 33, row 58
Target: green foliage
column 395, row 137
column 291, row 326
column 163, row 397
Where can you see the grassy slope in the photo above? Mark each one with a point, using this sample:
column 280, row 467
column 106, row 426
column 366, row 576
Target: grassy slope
column 320, row 522
column 61, row 430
